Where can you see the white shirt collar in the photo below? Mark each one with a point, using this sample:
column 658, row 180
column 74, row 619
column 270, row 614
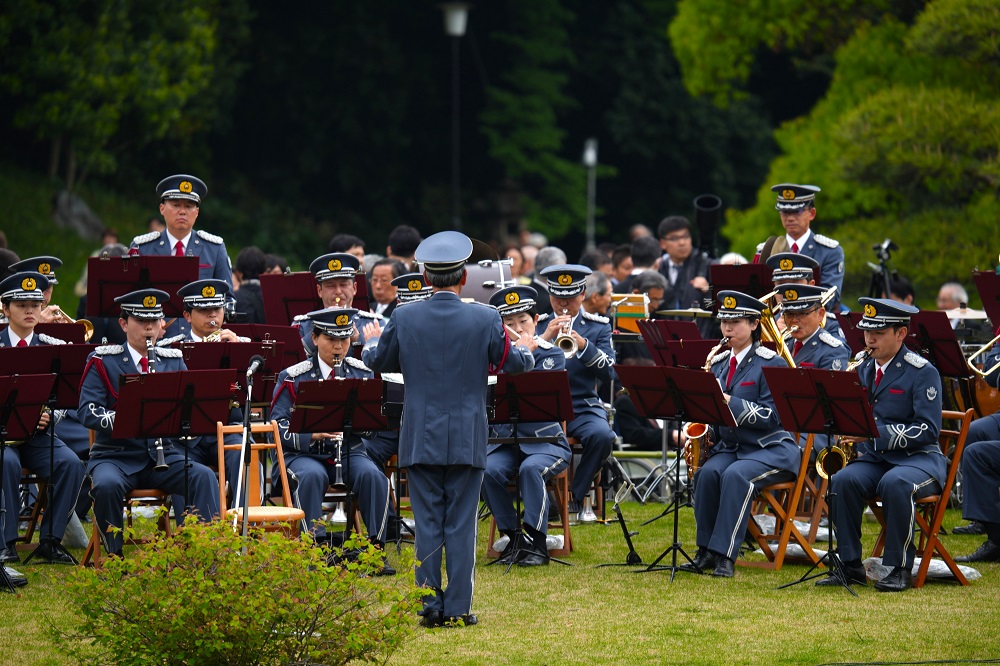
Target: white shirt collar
column 743, row 354
column 801, row 241
column 14, row 339
column 173, row 241
column 325, row 370
column 135, row 356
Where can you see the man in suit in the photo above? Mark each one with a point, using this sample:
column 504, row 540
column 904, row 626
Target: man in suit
column 797, row 207
column 335, row 273
column 904, row 462
column 789, row 268
column 685, row 268
column 21, row 297
column 316, row 459
column 757, row 453
column 533, row 461
column 591, row 365
column 118, row 466
column 445, row 349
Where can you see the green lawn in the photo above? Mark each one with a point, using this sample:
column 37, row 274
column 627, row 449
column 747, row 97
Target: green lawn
column 586, row 615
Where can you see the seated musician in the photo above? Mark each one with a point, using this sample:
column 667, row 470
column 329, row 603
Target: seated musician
column 790, row 268
column 904, row 462
column 335, row 273
column 984, row 429
column 590, row 365
column 21, row 296
column 312, row 458
column 757, row 453
column 118, row 466
column 534, row 462
column 47, row 266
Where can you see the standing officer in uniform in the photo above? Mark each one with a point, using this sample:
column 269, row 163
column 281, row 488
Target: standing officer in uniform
column 757, row 453
column 789, row 268
column 588, row 367
column 446, row 350
column 534, row 462
column 313, row 458
column 335, row 273
column 904, row 462
column 118, row 466
column 21, row 296
column 797, row 207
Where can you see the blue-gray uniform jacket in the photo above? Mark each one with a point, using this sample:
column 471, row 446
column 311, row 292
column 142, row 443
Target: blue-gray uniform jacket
column 305, row 326
column 823, row 350
column 34, row 454
column 907, row 409
column 445, row 349
column 368, row 481
column 759, row 434
column 213, row 262
column 591, row 366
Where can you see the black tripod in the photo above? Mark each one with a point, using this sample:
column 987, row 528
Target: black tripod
column 626, row 487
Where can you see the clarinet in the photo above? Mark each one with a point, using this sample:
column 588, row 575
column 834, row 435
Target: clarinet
column 161, row 462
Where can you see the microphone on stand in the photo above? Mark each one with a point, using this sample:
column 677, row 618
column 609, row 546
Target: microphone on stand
column 256, row 363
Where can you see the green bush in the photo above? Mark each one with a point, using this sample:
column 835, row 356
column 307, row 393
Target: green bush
column 195, row 598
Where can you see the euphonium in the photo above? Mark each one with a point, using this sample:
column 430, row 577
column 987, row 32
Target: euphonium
column 88, row 328
column 565, row 340
column 834, row 458
column 161, row 461
column 770, row 332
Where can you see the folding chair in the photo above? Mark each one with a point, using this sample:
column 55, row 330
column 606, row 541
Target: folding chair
column 929, row 511
column 37, row 510
column 783, row 500
column 559, row 486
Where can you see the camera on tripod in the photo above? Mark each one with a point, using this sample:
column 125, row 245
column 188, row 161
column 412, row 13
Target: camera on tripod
column 883, row 273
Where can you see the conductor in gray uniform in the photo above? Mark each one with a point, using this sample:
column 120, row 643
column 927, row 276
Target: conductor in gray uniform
column 446, row 350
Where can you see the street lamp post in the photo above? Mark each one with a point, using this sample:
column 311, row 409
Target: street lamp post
column 455, row 17
column 590, row 161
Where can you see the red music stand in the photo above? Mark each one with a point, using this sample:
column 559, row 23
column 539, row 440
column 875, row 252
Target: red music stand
column 294, row 352
column 822, row 401
column 751, row 279
column 110, row 277
column 287, row 296
column 680, row 395
column 988, row 285
column 849, row 325
column 658, row 334
column 74, row 334
column 225, row 354
column 175, row 405
column 931, row 336
column 22, row 398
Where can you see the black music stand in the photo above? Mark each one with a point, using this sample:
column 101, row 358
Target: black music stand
column 339, row 405
column 110, row 277
column 825, row 402
column 22, row 398
column 224, row 354
column 66, row 362
column 534, row 397
column 680, row 395
column 181, row 405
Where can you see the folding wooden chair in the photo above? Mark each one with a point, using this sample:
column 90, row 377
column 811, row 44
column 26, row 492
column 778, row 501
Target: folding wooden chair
column 284, row 518
column 782, row 499
column 559, row 486
column 37, row 510
column 929, row 511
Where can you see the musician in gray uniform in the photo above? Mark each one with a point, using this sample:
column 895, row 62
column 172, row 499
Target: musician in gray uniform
column 21, row 296
column 335, row 273
column 315, row 459
column 533, row 462
column 118, row 466
column 797, row 206
column 590, row 366
column 445, row 349
column 984, row 429
column 789, row 268
column 904, row 462
column 742, row 460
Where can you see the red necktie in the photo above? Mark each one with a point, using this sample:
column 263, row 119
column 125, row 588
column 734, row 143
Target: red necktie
column 22, row 343
column 796, row 347
column 144, row 365
column 732, row 370
column 795, row 248
column 878, row 376
column 179, row 249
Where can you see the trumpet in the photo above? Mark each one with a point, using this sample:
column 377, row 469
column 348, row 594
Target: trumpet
column 87, row 325
column 834, row 458
column 215, row 335
column 565, row 340
column 161, row 461
column 981, row 350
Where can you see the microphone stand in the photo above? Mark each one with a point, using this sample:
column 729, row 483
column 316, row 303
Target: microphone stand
column 242, row 485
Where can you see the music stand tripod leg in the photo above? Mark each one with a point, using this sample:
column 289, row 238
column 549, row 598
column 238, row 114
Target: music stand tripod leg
column 627, row 487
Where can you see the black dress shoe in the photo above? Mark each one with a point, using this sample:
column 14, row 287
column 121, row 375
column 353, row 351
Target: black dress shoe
column 9, row 555
column 704, row 562
column 988, row 552
column 975, row 527
column 50, row 551
column 854, row 575
column 897, row 581
column 532, row 558
column 725, row 568
column 431, row 619
column 457, row 621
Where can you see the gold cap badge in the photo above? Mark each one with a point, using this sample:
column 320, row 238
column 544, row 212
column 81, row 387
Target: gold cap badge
column 185, row 186
column 565, row 279
column 208, row 291
column 334, row 265
column 28, row 284
column 512, row 298
column 729, row 302
column 870, row 310
column 786, row 264
column 149, row 302
column 787, row 194
column 343, row 320
column 414, row 285
column 44, row 269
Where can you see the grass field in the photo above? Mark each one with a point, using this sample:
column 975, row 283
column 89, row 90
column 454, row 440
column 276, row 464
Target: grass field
column 587, row 615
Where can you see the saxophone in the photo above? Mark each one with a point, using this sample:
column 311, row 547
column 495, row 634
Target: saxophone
column 834, row 458
column 698, row 434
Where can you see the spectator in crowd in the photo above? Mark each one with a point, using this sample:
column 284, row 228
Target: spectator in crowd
column 952, row 295
column 597, row 261
column 381, row 291
column 250, row 263
column 621, row 264
column 529, row 252
column 597, row 297
column 275, row 265
column 638, row 231
column 645, row 253
column 349, row 244
column 403, row 242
